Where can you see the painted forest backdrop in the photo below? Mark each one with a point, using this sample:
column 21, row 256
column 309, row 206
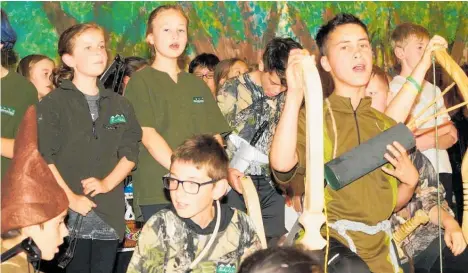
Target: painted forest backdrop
column 231, row 29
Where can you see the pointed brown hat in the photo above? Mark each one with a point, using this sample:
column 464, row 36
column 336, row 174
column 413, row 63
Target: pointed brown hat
column 30, row 193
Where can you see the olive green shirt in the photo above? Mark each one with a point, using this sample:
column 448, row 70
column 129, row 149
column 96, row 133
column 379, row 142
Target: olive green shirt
column 17, row 95
column 177, row 111
column 371, row 198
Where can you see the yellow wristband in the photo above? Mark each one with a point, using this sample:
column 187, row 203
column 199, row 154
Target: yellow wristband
column 412, row 87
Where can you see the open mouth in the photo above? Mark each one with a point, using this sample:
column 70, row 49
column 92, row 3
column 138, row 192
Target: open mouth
column 180, row 205
column 174, row 46
column 359, row 68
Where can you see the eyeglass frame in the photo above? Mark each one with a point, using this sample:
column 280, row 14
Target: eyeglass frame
column 164, row 178
column 207, row 75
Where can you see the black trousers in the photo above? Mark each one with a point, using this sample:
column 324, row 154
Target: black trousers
column 93, row 256
column 271, row 204
column 446, row 180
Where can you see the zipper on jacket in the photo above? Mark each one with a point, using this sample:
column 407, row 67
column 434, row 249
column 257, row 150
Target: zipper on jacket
column 357, row 128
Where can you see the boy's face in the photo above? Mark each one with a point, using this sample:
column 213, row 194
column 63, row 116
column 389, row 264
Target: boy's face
column 411, row 54
column 48, row 237
column 271, row 84
column 194, row 206
column 206, row 75
column 378, row 89
column 349, row 56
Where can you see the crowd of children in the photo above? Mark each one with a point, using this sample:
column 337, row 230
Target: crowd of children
column 68, row 143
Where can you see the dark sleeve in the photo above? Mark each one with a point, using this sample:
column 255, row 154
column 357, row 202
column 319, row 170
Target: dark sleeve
column 49, row 129
column 30, row 98
column 138, row 94
column 129, row 147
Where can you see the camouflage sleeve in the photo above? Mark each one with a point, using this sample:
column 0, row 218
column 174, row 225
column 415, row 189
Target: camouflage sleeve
column 428, row 197
column 233, row 97
column 252, row 242
column 148, row 256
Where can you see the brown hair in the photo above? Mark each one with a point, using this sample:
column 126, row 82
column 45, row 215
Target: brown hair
column 379, row 72
column 204, row 151
column 404, row 31
column 222, row 70
column 66, row 45
column 154, row 14
column 24, row 66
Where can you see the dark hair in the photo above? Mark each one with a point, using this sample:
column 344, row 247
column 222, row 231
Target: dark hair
column 281, row 260
column 222, row 69
column 204, row 60
column 325, row 30
column 133, row 64
column 65, row 46
column 11, row 234
column 24, row 66
column 8, row 39
column 204, row 151
column 154, row 14
column 275, row 57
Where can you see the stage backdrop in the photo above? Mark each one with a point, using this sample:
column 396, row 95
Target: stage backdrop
column 231, row 29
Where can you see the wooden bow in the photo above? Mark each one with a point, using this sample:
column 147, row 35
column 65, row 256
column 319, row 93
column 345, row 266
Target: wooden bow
column 460, row 78
column 313, row 217
column 253, row 208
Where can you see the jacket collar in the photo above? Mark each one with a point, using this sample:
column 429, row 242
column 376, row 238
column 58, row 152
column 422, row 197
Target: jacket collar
column 343, row 104
column 69, row 85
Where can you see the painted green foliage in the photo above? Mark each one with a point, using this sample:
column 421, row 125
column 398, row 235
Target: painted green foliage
column 242, row 26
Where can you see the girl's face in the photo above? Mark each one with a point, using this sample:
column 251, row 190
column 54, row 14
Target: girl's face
column 378, row 90
column 237, row 69
column 89, row 57
column 39, row 75
column 169, row 35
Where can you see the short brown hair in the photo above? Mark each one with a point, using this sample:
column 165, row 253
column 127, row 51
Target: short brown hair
column 154, row 14
column 204, row 151
column 379, row 72
column 404, row 31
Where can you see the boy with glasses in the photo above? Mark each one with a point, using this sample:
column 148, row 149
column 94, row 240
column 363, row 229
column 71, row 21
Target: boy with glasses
column 175, row 237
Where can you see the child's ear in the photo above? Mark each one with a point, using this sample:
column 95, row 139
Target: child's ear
column 150, row 39
column 220, row 189
column 261, row 66
column 399, row 53
column 325, row 64
column 68, row 60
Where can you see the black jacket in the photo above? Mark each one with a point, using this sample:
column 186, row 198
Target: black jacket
column 81, row 148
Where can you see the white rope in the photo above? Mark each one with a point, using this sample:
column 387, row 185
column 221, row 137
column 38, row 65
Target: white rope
column 437, row 163
column 212, row 238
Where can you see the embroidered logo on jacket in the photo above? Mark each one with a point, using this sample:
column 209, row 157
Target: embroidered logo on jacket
column 8, row 110
column 225, row 268
column 198, row 100
column 116, row 119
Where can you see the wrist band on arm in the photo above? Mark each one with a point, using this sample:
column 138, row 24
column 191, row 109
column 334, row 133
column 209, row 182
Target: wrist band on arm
column 412, row 87
column 414, row 83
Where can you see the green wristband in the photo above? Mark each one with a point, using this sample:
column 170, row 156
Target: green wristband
column 414, row 83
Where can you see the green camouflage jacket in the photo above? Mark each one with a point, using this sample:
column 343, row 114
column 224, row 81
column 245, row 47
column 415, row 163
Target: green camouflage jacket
column 168, row 243
column 245, row 107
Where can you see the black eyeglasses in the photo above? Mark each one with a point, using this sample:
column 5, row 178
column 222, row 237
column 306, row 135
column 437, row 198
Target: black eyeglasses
column 190, row 187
